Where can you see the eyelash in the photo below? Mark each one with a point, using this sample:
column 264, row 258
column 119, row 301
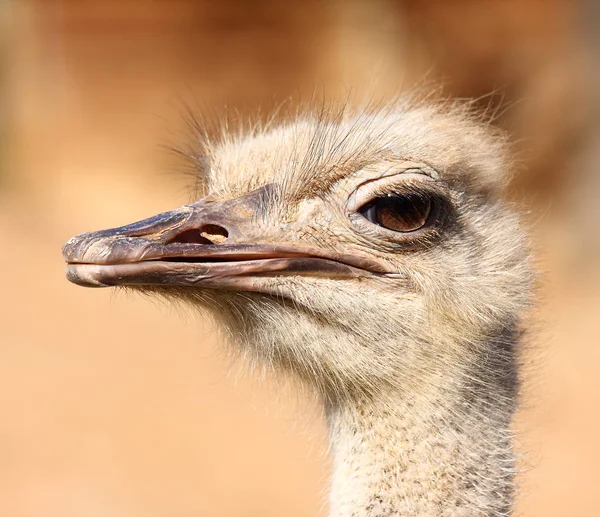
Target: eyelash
column 415, row 188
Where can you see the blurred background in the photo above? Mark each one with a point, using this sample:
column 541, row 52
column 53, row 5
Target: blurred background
column 115, row 406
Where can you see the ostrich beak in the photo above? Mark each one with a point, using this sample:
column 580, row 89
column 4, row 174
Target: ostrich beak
column 205, row 244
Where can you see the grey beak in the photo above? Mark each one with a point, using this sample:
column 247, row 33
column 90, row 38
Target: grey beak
column 205, row 244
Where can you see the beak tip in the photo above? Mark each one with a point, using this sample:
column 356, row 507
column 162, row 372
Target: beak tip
column 83, row 275
column 75, row 247
column 67, row 249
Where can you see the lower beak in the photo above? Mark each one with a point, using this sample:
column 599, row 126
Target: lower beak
column 207, row 245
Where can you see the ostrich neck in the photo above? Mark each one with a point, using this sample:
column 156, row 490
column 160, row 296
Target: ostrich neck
column 410, row 457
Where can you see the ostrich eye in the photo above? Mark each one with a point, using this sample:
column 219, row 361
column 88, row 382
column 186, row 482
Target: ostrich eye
column 399, row 213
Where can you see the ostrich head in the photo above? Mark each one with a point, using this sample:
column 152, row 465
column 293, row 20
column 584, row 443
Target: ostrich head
column 371, row 254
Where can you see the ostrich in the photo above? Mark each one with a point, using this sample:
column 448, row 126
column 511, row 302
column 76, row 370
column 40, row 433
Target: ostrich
column 372, row 255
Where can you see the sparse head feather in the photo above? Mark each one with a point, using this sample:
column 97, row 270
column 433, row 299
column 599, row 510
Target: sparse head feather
column 310, row 150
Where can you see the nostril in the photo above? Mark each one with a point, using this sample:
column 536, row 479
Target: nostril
column 206, row 234
column 214, row 233
column 190, row 237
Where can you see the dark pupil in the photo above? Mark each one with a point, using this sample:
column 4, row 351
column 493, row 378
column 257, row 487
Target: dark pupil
column 399, row 213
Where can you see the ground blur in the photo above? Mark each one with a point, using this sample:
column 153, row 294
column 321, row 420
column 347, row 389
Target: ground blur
column 115, row 405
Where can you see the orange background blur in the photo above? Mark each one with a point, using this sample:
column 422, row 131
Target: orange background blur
column 115, row 406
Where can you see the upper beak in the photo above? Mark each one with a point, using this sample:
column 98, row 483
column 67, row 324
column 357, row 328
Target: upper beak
column 205, row 244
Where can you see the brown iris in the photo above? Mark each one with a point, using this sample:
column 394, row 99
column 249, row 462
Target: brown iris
column 399, row 213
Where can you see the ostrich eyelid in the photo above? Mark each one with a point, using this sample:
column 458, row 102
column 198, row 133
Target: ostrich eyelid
column 369, row 189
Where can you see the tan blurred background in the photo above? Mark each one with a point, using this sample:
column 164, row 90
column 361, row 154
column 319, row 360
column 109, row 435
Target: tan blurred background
column 115, row 406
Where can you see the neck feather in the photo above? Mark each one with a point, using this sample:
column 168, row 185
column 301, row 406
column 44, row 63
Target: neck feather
column 448, row 453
